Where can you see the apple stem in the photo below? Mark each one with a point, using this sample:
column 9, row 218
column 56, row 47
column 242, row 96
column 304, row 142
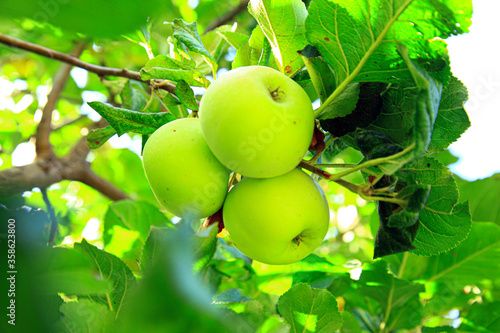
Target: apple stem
column 358, row 189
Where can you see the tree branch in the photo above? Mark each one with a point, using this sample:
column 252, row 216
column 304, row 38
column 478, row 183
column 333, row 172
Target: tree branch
column 227, row 17
column 45, row 172
column 99, row 70
column 42, row 143
column 93, row 180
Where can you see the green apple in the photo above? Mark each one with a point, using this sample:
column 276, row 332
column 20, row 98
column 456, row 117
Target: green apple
column 277, row 220
column 257, row 121
column 186, row 178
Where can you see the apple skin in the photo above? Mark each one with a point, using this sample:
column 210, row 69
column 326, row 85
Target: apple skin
column 186, row 178
column 257, row 121
column 264, row 217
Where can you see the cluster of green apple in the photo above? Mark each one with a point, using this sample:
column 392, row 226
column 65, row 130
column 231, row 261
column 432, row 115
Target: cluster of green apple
column 256, row 122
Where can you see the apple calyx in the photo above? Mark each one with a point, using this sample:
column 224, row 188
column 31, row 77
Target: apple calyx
column 297, row 239
column 275, row 94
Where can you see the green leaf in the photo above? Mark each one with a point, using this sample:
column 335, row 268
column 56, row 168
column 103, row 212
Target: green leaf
column 439, row 329
column 240, row 42
column 74, row 17
column 317, row 280
column 232, row 295
column 216, row 45
column 357, row 37
column 150, row 251
column 235, row 39
column 351, row 324
column 368, row 108
column 451, row 111
column 68, row 271
column 395, row 296
column 187, row 33
column 348, row 33
column 169, row 292
column 186, row 95
column 166, row 68
column 133, row 96
column 417, row 196
column 477, row 258
column 391, row 240
column 282, row 22
column 343, row 105
column 204, row 244
column 112, row 270
column 96, row 138
column 427, row 106
column 132, row 215
column 483, row 196
column 309, row 309
column 320, row 73
column 85, row 316
column 123, row 120
column 443, row 224
column 483, row 318
column 397, row 119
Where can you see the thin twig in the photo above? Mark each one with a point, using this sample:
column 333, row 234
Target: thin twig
column 227, row 17
column 350, row 186
column 67, row 58
column 43, row 147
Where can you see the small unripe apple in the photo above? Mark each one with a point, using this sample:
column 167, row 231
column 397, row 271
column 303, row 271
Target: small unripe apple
column 186, row 178
column 257, row 121
column 277, row 220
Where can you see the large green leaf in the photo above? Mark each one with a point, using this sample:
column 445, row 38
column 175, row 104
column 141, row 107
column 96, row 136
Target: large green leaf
column 75, row 16
column 204, row 244
column 170, row 298
column 477, row 258
column 443, row 223
column 483, row 197
column 426, row 110
column 357, row 37
column 395, row 296
column 85, row 316
column 70, row 272
column 307, row 309
column 123, row 120
column 348, row 33
column 483, row 318
column 282, row 22
column 112, row 270
column 397, row 118
column 132, row 215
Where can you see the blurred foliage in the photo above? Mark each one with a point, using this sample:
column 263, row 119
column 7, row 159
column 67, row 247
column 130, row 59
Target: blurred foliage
column 128, row 266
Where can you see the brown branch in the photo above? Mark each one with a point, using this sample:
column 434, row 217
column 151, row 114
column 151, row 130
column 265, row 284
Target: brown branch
column 42, row 143
column 47, row 171
column 99, row 70
column 227, row 17
column 93, row 180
